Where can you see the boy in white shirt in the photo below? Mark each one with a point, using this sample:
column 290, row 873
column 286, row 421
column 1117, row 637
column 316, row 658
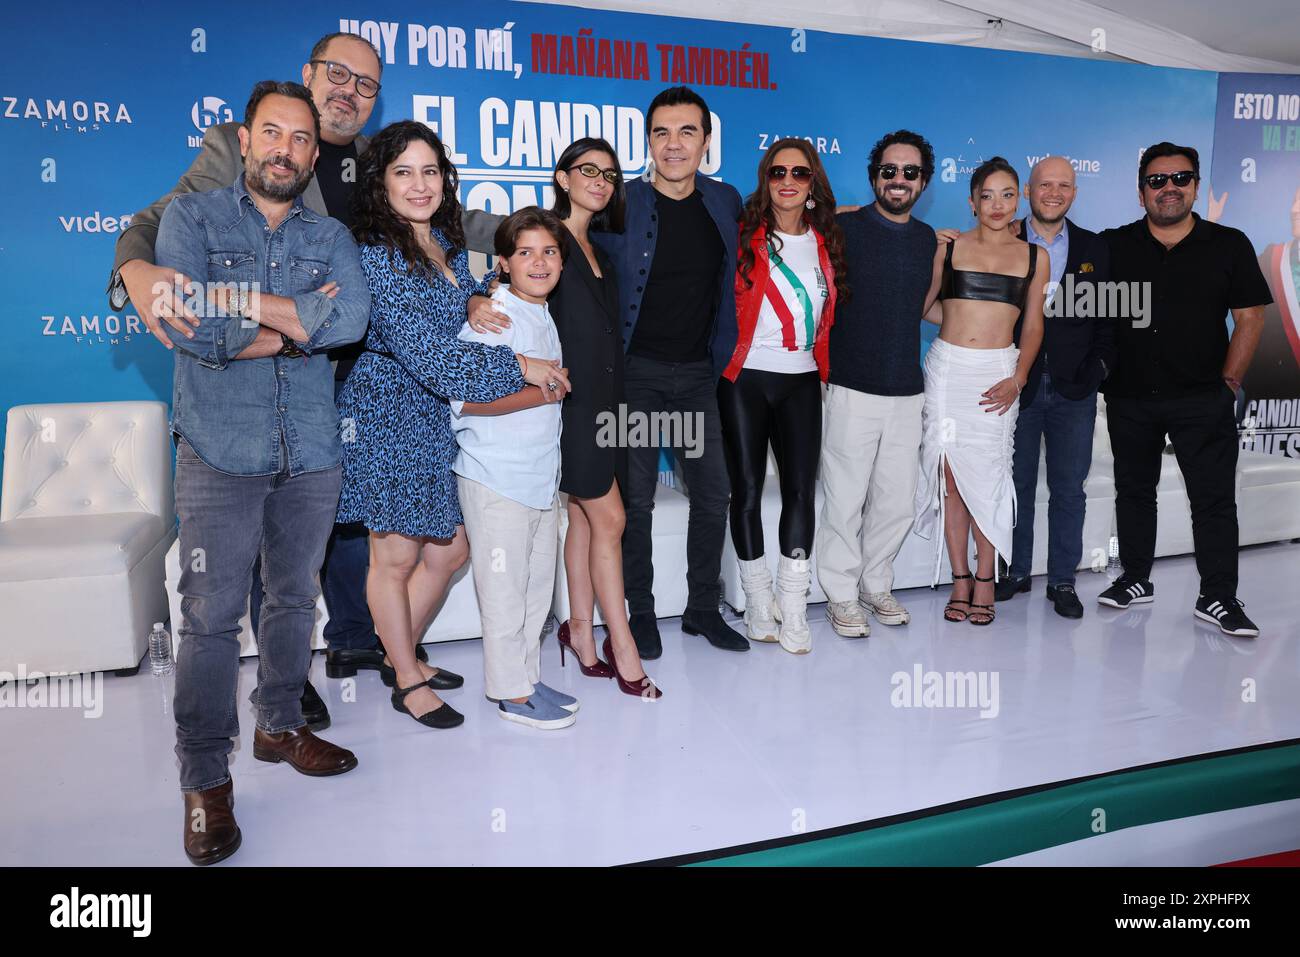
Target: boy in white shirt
column 508, row 473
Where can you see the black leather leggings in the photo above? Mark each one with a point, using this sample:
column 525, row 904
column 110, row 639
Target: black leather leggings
column 785, row 408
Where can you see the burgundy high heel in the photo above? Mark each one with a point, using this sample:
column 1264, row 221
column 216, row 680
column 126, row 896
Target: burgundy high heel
column 598, row 670
column 642, row 688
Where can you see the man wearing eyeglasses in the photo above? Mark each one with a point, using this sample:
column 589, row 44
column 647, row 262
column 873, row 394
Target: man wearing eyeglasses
column 343, row 74
column 871, row 442
column 1177, row 373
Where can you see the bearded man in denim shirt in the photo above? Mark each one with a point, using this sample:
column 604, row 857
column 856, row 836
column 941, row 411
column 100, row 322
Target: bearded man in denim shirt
column 258, row 453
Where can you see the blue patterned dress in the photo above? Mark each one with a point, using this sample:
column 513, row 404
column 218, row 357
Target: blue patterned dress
column 398, row 446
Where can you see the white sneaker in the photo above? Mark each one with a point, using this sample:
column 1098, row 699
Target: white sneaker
column 792, row 579
column 761, row 613
column 848, row 619
column 885, row 607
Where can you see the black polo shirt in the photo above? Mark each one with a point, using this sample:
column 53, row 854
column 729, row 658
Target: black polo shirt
column 1193, row 286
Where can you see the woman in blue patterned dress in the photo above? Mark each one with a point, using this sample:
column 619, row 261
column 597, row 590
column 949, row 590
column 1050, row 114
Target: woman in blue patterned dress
column 398, row 446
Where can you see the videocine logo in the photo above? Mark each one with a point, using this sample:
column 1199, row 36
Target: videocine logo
column 75, row 910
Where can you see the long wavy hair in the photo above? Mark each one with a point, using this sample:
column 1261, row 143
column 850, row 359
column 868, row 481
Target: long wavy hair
column 373, row 219
column 758, row 211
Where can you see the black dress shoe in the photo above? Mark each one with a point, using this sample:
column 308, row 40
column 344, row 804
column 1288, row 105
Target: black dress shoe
column 645, row 632
column 1008, row 588
column 1066, row 602
column 711, row 626
column 444, row 680
column 344, row 662
column 314, row 711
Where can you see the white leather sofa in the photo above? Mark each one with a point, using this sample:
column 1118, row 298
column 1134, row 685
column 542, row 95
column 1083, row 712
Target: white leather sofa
column 86, row 517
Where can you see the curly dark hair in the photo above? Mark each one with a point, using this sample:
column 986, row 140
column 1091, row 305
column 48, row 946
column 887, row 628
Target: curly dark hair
column 758, row 211
column 904, row 138
column 373, row 220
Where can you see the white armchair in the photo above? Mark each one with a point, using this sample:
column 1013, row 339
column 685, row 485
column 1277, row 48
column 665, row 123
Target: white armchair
column 85, row 519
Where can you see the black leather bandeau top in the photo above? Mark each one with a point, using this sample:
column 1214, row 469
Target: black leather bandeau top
column 989, row 286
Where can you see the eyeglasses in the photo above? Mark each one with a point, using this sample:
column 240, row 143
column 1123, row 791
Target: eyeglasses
column 591, row 171
column 890, row 170
column 338, row 74
column 801, row 174
column 1158, row 180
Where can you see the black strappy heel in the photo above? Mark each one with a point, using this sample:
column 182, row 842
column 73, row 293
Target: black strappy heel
column 957, row 601
column 441, row 717
column 987, row 616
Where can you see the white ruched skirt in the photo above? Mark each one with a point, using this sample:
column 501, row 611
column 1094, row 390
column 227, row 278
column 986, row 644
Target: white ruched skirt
column 958, row 436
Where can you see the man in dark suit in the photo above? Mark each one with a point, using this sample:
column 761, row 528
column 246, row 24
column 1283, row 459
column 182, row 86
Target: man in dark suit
column 1059, row 401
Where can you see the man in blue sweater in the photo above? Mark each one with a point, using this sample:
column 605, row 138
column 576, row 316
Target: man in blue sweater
column 872, row 438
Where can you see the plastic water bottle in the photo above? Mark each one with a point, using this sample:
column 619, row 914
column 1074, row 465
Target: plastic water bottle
column 160, row 650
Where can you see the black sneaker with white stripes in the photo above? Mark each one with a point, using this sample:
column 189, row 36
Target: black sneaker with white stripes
column 1228, row 615
column 1127, row 591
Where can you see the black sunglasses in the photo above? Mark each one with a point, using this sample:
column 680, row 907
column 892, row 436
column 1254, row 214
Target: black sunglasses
column 591, row 171
column 890, row 170
column 801, row 174
column 1158, row 180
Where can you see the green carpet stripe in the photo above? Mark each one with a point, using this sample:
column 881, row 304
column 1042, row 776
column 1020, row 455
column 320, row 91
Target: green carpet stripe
column 1049, row 817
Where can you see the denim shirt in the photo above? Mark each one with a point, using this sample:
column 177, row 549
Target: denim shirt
column 633, row 252
column 240, row 416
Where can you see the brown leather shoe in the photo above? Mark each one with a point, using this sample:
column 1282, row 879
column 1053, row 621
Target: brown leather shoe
column 307, row 753
column 211, row 833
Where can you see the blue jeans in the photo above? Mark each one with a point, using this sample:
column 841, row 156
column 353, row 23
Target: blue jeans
column 343, row 583
column 1067, row 425
column 224, row 521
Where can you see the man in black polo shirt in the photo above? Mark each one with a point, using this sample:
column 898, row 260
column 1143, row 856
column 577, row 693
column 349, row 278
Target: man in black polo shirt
column 1177, row 373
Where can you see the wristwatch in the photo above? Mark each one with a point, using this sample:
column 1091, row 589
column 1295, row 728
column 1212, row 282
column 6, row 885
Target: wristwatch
column 290, row 348
column 117, row 297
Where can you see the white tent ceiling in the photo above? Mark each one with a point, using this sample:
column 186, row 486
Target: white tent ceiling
column 1249, row 36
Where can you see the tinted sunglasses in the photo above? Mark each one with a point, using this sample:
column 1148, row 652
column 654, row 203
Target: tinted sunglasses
column 801, row 174
column 591, row 171
column 890, row 170
column 1158, row 180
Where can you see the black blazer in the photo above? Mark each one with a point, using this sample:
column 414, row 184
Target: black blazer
column 586, row 312
column 1080, row 351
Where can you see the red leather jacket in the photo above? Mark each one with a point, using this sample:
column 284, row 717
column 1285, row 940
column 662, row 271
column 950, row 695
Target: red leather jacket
column 749, row 300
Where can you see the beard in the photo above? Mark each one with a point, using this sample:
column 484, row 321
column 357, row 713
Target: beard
column 341, row 122
column 1168, row 213
column 899, row 205
column 260, row 180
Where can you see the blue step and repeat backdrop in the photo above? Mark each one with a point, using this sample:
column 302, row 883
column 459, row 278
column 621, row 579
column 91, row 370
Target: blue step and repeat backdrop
column 103, row 108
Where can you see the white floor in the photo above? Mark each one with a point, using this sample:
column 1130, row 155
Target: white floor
column 743, row 747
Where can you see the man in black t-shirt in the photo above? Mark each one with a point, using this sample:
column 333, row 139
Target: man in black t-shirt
column 1177, row 373
column 676, row 263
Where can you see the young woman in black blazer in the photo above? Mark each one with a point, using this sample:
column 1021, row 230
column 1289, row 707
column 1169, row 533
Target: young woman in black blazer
column 589, row 194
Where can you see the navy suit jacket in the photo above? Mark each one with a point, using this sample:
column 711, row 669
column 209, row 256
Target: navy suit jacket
column 633, row 252
column 1080, row 351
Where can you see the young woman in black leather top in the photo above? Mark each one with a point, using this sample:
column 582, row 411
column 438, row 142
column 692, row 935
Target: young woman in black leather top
column 983, row 282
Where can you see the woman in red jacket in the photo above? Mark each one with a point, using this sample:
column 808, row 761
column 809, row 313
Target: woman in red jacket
column 790, row 270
